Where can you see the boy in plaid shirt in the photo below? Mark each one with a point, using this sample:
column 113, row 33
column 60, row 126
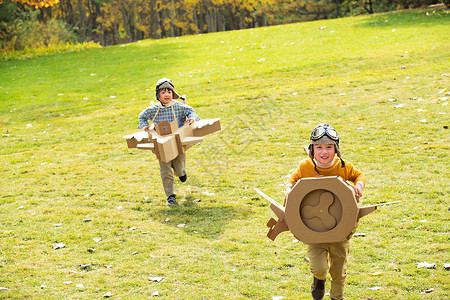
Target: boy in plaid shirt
column 168, row 110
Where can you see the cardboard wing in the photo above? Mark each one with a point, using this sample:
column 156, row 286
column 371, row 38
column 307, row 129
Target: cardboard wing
column 167, row 141
column 319, row 210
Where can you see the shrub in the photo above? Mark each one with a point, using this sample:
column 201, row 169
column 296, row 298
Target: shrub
column 21, row 29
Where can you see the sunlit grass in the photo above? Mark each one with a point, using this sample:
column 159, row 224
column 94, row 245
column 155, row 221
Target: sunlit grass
column 381, row 80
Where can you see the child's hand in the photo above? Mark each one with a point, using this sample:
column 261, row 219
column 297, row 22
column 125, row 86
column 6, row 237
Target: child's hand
column 147, row 128
column 287, row 190
column 190, row 121
column 358, row 190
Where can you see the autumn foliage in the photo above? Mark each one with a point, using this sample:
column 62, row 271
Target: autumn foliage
column 111, row 22
column 37, row 4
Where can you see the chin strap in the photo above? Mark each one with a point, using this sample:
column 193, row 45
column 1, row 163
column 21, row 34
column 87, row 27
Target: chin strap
column 315, row 166
column 159, row 106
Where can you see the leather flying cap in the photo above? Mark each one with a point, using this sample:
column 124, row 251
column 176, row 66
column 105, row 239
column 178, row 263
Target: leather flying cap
column 165, row 83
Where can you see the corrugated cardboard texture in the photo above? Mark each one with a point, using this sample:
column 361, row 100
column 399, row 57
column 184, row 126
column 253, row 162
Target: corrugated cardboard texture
column 174, row 140
column 322, row 210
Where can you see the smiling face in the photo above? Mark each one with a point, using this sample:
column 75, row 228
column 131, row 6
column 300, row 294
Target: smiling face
column 324, row 153
column 165, row 95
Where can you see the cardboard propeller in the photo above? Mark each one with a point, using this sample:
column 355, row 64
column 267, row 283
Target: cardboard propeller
column 318, row 210
column 168, row 141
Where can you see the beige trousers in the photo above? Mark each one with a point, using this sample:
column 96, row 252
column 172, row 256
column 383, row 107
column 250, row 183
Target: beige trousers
column 178, row 164
column 332, row 256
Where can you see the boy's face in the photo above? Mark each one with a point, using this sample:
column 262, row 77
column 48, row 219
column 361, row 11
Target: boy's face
column 165, row 95
column 324, row 153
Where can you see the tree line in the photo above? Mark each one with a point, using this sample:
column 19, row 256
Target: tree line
column 111, row 22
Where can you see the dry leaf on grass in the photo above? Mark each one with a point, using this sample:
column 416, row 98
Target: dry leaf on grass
column 86, row 267
column 156, row 279
column 108, row 294
column 426, row 265
column 58, row 246
column 359, row 234
column 427, row 291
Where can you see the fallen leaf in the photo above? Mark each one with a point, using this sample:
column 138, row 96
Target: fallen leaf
column 427, row 291
column 59, row 246
column 86, row 267
column 359, row 234
column 377, row 274
column 156, row 279
column 426, row 265
column 108, row 294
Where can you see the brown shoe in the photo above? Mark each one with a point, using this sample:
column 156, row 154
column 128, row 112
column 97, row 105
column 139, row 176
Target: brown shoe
column 318, row 289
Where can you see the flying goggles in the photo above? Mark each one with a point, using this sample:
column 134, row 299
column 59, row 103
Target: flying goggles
column 324, row 129
column 162, row 81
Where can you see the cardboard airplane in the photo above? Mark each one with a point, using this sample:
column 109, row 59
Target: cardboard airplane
column 319, row 210
column 168, row 141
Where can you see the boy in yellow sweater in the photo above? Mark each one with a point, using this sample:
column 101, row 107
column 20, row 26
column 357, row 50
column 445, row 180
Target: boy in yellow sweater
column 324, row 146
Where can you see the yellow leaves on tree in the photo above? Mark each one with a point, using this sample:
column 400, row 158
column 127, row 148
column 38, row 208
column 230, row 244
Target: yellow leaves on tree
column 37, row 3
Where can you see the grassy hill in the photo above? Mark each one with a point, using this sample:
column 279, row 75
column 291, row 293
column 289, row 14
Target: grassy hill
column 66, row 175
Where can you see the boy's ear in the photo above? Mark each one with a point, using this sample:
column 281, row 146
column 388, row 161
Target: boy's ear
column 306, row 149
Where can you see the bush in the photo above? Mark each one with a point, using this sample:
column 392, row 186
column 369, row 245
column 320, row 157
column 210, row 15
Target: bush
column 20, row 28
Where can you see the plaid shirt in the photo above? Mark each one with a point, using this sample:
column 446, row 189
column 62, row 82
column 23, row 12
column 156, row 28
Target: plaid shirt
column 182, row 111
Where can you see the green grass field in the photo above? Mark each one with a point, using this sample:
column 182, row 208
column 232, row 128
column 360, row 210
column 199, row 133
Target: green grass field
column 66, row 175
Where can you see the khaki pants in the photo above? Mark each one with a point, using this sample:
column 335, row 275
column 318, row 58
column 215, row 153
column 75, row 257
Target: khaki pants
column 336, row 255
column 178, row 164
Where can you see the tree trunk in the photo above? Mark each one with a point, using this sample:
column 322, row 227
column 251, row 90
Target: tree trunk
column 81, row 21
column 156, row 26
column 220, row 20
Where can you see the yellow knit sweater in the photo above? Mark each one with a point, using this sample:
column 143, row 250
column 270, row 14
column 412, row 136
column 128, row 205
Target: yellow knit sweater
column 348, row 172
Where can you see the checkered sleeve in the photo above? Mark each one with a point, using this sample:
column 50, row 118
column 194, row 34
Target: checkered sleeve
column 147, row 114
column 183, row 112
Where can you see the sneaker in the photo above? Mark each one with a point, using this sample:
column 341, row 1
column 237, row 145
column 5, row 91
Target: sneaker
column 183, row 178
column 318, row 289
column 171, row 200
